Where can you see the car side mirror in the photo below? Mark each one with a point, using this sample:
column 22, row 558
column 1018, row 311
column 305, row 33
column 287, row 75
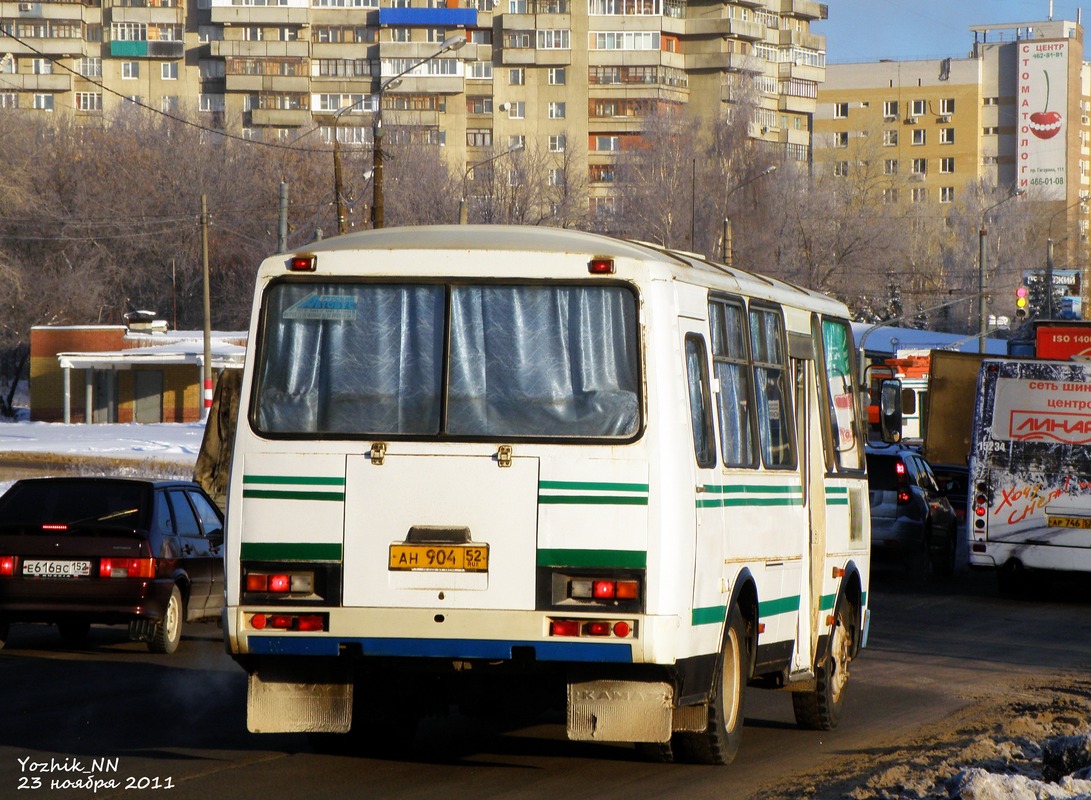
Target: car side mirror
column 890, row 411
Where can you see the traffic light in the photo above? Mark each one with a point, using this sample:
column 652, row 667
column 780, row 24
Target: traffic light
column 1021, row 302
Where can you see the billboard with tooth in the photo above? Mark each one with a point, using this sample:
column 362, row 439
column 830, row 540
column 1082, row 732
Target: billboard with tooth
column 1043, row 108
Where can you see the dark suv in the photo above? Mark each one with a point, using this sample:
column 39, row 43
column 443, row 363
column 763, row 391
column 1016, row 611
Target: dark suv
column 912, row 521
column 77, row 551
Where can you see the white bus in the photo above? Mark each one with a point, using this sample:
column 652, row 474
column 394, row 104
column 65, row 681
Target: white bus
column 489, row 465
column 1030, row 469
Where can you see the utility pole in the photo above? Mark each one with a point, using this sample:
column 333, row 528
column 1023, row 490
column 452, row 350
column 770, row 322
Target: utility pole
column 207, row 370
column 282, row 231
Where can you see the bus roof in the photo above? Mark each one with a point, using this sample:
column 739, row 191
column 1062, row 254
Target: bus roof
column 544, row 239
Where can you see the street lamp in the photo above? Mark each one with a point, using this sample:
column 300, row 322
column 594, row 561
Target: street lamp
column 982, row 323
column 377, row 212
column 727, row 253
column 1049, row 254
column 463, row 210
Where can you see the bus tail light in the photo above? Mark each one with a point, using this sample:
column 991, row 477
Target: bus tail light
column 278, row 583
column 7, row 565
column 289, row 622
column 980, row 507
column 600, row 628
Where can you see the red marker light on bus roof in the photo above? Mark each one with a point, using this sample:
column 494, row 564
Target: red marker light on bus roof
column 302, row 263
column 601, row 266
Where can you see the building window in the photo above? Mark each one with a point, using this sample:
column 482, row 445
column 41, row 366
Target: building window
column 9, row 100
column 557, row 143
column 890, row 196
column 517, row 142
column 517, row 76
column 90, row 67
column 556, row 177
column 480, row 70
column 890, row 166
column 479, row 137
column 130, row 70
column 478, row 104
column 480, row 36
column 89, row 101
column 556, row 110
column 841, row 168
column 991, row 101
column 400, row 35
column 947, row 106
column 946, row 135
column 41, row 66
column 43, row 102
column 920, row 195
column 841, row 139
column 919, row 137
column 557, row 76
column 890, row 109
column 169, row 70
column 917, row 108
column 840, row 110
column 947, row 194
column 947, row 165
column 920, row 166
column 990, row 130
column 434, row 35
column 890, row 138
column 554, row 39
column 608, row 143
column 517, row 110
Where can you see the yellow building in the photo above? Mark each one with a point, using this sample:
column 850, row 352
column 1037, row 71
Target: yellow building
column 564, row 75
column 1012, row 114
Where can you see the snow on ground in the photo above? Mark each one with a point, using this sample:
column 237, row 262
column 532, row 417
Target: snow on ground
column 166, row 441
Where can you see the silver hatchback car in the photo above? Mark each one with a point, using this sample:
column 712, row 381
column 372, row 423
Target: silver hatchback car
column 913, row 524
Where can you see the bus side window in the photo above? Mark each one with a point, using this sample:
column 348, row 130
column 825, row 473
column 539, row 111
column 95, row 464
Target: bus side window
column 771, row 385
column 700, row 403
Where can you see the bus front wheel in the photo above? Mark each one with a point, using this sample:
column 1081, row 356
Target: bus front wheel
column 820, row 709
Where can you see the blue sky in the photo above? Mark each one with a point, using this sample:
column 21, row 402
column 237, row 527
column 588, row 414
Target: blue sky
column 867, row 30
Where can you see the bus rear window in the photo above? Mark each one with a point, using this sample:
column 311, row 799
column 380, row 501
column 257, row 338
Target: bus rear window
column 424, row 360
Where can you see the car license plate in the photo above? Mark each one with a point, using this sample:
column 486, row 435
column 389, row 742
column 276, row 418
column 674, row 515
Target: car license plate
column 439, row 558
column 56, row 569
column 1069, row 522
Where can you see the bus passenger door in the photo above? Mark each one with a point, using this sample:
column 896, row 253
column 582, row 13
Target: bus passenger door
column 707, row 583
column 812, row 472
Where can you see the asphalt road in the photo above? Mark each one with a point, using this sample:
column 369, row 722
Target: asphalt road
column 174, row 726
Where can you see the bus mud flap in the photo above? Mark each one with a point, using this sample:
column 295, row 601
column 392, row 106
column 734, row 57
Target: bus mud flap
column 283, row 699
column 620, row 711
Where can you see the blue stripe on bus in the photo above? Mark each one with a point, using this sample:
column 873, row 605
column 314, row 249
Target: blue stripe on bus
column 496, row 650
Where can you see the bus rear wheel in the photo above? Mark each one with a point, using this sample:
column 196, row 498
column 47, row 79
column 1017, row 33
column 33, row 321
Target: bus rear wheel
column 820, row 709
column 719, row 742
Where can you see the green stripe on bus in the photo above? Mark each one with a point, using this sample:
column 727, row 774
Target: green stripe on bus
column 783, row 605
column 273, row 494
column 295, row 480
column 751, row 488
column 290, row 551
column 826, row 602
column 589, row 500
column 740, row 502
column 622, row 559
column 593, row 487
column 711, row 615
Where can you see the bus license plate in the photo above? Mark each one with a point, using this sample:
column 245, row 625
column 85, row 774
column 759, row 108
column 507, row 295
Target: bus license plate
column 1069, row 522
column 57, row 569
column 439, row 558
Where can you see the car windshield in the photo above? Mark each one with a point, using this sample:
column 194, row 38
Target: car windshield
column 68, row 502
column 880, row 472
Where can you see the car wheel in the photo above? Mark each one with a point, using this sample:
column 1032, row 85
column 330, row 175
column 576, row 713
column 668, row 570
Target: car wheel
column 820, row 709
column 168, row 633
column 943, row 564
column 719, row 742
column 74, row 633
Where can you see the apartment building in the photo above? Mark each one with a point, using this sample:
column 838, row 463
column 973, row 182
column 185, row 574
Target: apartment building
column 1013, row 113
column 577, row 74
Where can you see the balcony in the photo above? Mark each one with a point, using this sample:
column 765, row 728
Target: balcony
column 37, row 83
column 801, row 105
column 429, row 17
column 725, row 26
column 418, row 51
column 261, row 15
column 262, row 49
column 805, row 9
column 801, row 72
column 430, row 84
column 147, row 49
column 46, row 47
column 805, row 39
column 53, row 10
column 280, row 117
column 278, row 84
column 147, row 15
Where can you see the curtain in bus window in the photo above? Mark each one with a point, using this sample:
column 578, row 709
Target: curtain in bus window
column 351, row 359
column 729, row 363
column 700, row 415
column 836, row 341
column 543, row 361
column 771, row 390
